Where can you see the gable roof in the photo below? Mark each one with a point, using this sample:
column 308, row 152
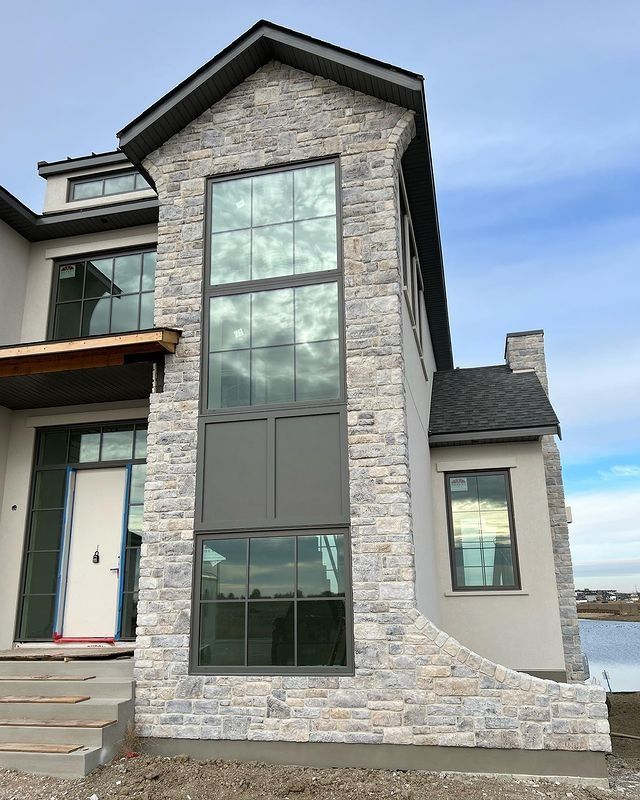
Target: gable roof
column 489, row 403
column 266, row 41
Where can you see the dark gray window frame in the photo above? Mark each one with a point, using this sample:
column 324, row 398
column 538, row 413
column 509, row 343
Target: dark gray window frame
column 85, row 465
column 506, row 472
column 264, row 284
column 102, row 176
column 194, row 638
column 84, row 257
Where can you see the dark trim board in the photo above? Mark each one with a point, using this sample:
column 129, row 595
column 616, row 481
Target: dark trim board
column 572, row 766
column 557, row 675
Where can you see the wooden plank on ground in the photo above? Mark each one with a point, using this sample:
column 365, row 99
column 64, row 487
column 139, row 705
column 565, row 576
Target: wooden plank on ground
column 29, row 747
column 46, row 677
column 39, row 699
column 56, row 723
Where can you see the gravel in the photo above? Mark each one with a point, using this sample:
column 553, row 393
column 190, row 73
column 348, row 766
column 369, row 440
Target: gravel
column 181, row 778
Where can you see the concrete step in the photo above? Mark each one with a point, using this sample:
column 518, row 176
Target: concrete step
column 52, row 687
column 63, row 765
column 100, row 668
column 94, row 708
column 55, row 733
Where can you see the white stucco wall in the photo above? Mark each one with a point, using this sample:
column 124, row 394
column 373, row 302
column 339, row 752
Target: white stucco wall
column 520, row 629
column 19, row 433
column 14, row 256
column 40, row 269
column 418, row 402
column 57, row 191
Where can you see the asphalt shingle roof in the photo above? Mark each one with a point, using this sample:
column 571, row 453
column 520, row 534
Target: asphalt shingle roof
column 488, row 399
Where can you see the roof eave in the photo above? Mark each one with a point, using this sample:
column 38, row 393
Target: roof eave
column 508, row 434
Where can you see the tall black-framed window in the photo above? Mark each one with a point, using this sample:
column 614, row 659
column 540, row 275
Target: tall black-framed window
column 412, row 283
column 105, row 185
column 272, row 602
column 482, row 537
column 57, row 450
column 273, row 290
column 110, row 293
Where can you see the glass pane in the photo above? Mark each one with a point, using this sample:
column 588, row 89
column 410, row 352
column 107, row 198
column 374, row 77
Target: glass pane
column 318, row 371
column 230, row 257
column 272, row 567
column 53, row 447
column 132, row 569
column 70, row 281
column 492, row 491
column 229, row 379
column 84, row 445
column 272, row 251
column 231, row 205
column 464, row 492
column 317, row 312
column 126, row 274
column 273, row 198
column 37, row 617
column 99, row 277
column 46, row 530
column 49, row 490
column 229, row 322
column 42, row 573
column 83, row 191
column 321, row 565
column 469, row 576
column 134, row 526
column 124, row 314
column 138, row 476
column 95, row 318
column 467, row 531
column 316, row 245
column 222, row 635
column 224, row 569
column 117, row 444
column 146, row 310
column 141, row 183
column 495, row 527
column 315, row 191
column 149, row 270
column 67, row 324
column 272, row 375
column 322, row 640
column 270, row 634
column 272, row 318
column 129, row 615
column 120, row 184
column 501, row 570
column 141, row 443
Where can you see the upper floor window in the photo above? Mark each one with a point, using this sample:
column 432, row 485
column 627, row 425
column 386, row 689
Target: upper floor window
column 110, row 294
column 121, row 183
column 481, row 531
column 273, row 305
column 412, row 274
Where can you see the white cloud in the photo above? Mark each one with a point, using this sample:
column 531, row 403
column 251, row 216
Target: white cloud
column 605, row 536
column 621, row 471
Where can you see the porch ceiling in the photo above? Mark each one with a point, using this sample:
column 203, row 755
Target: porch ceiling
column 77, row 371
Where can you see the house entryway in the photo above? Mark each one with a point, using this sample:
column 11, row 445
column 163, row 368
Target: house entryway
column 89, row 600
column 83, row 538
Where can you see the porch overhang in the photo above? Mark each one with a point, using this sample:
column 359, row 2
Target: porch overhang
column 94, row 369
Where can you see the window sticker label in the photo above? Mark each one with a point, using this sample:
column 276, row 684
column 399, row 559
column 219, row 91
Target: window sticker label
column 458, row 484
column 68, row 271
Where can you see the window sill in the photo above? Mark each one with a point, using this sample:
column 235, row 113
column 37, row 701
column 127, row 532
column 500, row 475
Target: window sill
column 489, row 593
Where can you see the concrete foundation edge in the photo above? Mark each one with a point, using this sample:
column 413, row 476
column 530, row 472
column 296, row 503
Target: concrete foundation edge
column 576, row 767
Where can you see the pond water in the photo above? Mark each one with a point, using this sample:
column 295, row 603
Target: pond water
column 614, row 647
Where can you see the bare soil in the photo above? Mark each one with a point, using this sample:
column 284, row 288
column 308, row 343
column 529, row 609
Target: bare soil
column 182, row 778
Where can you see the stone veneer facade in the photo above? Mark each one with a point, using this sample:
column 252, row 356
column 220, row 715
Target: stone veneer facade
column 413, row 684
column 526, row 351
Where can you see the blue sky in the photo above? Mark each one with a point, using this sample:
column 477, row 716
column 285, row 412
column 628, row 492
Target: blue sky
column 535, row 128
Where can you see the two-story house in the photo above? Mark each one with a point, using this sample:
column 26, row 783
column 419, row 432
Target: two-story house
column 235, row 451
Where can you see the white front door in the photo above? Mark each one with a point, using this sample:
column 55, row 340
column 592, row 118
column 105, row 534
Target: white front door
column 91, row 595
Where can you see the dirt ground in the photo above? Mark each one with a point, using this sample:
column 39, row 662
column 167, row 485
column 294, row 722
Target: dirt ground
column 181, row 778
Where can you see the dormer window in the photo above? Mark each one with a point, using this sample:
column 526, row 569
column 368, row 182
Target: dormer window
column 106, row 185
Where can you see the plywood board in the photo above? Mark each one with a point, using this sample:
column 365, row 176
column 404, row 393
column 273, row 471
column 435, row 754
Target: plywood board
column 26, row 747
column 46, row 677
column 39, row 699
column 56, row 723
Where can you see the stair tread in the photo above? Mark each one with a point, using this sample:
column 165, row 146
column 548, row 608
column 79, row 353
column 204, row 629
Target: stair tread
column 41, row 699
column 46, row 677
column 26, row 747
column 56, row 723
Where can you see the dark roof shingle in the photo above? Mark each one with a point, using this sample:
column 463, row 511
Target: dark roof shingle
column 488, row 399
